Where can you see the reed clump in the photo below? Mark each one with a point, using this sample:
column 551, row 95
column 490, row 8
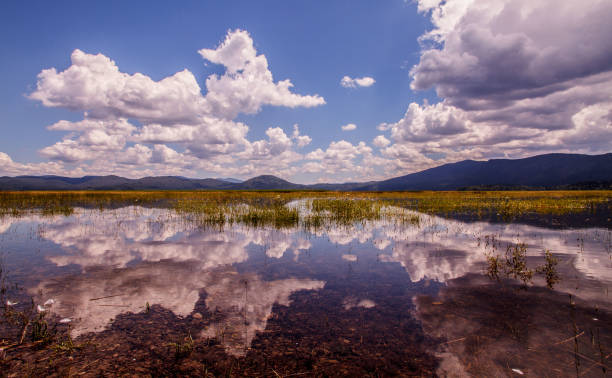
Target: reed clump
column 204, row 213
column 347, row 211
column 279, row 216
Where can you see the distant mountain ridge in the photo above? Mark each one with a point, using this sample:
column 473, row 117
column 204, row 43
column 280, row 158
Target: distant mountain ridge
column 110, row 182
column 541, row 171
column 548, row 171
column 230, row 179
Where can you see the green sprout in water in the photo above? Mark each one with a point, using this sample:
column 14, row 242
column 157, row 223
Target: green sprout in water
column 515, row 265
column 549, row 270
column 495, row 267
column 183, row 349
column 40, row 328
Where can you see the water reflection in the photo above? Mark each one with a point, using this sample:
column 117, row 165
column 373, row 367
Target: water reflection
column 437, row 249
column 134, row 256
column 246, row 301
column 485, row 330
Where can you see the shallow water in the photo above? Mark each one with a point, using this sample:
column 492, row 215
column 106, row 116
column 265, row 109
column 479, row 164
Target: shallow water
column 375, row 297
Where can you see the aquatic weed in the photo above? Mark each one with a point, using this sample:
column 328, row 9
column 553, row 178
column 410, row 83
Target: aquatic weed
column 183, row 349
column 549, row 270
column 516, row 263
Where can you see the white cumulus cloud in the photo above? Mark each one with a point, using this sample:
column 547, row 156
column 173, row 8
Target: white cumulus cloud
column 516, row 79
column 135, row 125
column 247, row 83
column 380, row 141
column 348, row 82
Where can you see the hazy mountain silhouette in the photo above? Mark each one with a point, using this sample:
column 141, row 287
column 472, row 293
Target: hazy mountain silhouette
column 538, row 172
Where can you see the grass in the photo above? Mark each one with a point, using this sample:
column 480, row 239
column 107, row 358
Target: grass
column 279, row 216
column 346, row 211
column 508, row 205
column 262, row 208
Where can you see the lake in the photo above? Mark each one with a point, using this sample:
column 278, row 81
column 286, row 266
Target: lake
column 148, row 290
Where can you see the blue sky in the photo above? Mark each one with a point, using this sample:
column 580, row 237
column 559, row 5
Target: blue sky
column 452, row 80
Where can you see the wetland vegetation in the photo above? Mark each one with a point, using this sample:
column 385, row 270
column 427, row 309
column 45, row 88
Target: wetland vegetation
column 218, row 207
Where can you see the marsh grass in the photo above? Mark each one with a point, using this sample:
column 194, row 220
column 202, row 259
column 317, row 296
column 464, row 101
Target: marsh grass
column 204, row 213
column 269, row 208
column 279, row 216
column 64, row 210
column 348, row 210
column 506, row 205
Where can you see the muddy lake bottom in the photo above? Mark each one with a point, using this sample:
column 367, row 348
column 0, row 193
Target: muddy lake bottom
column 143, row 291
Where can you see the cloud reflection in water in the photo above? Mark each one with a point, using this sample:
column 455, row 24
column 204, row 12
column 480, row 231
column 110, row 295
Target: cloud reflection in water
column 136, row 255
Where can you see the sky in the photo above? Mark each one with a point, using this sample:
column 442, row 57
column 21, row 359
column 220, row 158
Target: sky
column 310, row 91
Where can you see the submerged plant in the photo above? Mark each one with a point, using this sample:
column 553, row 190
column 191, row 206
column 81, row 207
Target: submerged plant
column 40, row 328
column 495, row 267
column 549, row 270
column 183, row 349
column 67, row 345
column 516, row 263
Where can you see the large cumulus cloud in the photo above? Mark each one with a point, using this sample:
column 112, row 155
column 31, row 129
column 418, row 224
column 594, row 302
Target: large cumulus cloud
column 94, row 84
column 247, row 83
column 502, row 50
column 135, row 125
column 515, row 78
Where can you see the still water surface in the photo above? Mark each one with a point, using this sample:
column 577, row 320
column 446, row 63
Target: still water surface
column 376, row 296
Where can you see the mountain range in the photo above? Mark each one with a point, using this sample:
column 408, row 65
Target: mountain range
column 549, row 171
